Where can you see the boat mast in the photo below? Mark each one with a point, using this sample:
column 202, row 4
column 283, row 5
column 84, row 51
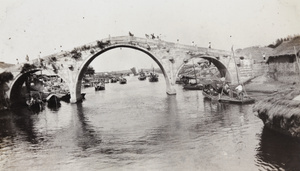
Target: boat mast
column 237, row 73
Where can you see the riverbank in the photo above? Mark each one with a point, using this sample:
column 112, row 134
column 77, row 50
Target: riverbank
column 265, row 84
column 279, row 112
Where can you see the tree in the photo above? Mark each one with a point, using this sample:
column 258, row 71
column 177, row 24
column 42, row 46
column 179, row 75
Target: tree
column 90, row 71
column 6, row 77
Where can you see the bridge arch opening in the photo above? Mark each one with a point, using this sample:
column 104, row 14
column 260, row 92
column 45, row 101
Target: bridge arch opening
column 17, row 93
column 223, row 70
column 76, row 94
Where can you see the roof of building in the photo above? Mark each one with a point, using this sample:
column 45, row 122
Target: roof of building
column 287, row 48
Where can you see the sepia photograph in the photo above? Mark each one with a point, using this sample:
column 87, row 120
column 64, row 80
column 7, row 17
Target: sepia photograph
column 160, row 85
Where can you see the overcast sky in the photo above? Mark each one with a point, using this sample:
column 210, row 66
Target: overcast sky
column 28, row 27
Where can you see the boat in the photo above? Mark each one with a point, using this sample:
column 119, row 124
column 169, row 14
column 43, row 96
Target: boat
column 238, row 95
column 83, row 95
column 100, row 86
column 113, row 80
column 210, row 93
column 65, row 97
column 53, row 101
column 142, row 76
column 153, row 77
column 87, row 85
column 243, row 100
column 134, row 71
column 35, row 103
column 122, row 80
column 193, row 86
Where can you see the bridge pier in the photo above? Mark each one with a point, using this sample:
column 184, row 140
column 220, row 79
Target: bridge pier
column 171, row 90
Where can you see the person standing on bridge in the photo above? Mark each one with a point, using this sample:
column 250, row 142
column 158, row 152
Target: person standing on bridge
column 27, row 58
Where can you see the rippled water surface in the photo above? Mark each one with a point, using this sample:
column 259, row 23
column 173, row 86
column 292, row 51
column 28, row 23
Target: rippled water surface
column 137, row 126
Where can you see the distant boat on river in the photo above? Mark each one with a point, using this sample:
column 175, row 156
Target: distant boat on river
column 100, row 86
column 153, row 77
column 113, row 80
column 134, row 71
column 142, row 76
column 122, row 80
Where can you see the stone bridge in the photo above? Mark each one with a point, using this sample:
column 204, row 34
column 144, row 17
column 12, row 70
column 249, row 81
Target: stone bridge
column 170, row 57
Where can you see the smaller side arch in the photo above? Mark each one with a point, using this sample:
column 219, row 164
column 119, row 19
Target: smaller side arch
column 224, row 72
column 16, row 86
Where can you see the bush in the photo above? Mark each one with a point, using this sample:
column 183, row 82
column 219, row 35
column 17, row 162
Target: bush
column 76, row 54
column 102, row 45
column 92, row 51
column 27, row 67
column 85, row 47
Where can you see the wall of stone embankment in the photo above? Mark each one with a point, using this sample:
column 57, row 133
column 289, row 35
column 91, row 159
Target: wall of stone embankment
column 247, row 70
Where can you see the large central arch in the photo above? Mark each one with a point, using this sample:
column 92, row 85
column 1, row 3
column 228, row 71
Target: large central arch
column 88, row 60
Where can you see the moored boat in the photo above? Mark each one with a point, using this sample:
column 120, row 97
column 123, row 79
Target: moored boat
column 87, row 85
column 210, row 93
column 238, row 95
column 66, row 97
column 153, row 77
column 100, row 86
column 35, row 104
column 142, row 76
column 53, row 101
column 191, row 86
column 123, row 80
column 237, row 100
column 113, row 80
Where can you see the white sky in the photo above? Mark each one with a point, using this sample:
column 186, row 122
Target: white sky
column 34, row 26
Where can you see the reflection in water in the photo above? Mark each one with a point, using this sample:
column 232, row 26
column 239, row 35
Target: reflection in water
column 24, row 124
column 277, row 152
column 85, row 135
column 137, row 126
column 7, row 129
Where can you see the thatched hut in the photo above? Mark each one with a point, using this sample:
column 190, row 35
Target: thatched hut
column 282, row 63
column 285, row 52
column 281, row 112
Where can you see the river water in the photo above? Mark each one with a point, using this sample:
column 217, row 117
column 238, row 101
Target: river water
column 137, row 126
